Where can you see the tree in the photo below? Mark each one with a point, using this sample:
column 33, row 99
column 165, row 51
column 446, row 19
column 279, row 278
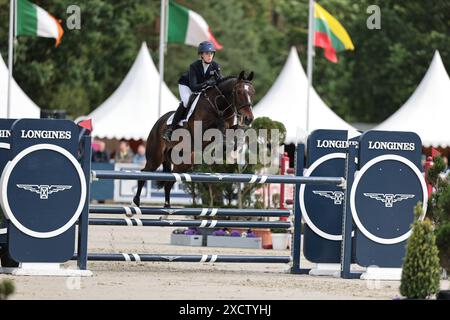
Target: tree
column 367, row 85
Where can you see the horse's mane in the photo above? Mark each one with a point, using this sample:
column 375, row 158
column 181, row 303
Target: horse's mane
column 227, row 78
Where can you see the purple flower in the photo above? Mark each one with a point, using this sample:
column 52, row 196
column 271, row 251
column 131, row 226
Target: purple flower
column 251, row 235
column 235, row 233
column 218, row 233
column 190, row 232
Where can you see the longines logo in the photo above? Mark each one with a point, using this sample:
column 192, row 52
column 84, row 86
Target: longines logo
column 43, row 190
column 382, row 145
column 388, row 198
column 45, row 134
column 336, row 196
column 5, row 133
column 340, row 144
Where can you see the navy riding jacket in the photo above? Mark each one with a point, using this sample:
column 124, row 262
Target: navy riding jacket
column 196, row 79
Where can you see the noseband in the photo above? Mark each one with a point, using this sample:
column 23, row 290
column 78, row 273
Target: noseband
column 245, row 104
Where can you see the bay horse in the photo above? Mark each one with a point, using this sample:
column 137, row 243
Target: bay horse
column 217, row 107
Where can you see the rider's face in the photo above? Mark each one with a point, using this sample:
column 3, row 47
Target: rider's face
column 207, row 56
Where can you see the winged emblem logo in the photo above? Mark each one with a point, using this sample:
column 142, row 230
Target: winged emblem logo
column 44, row 190
column 389, row 198
column 171, row 258
column 336, row 196
column 217, row 175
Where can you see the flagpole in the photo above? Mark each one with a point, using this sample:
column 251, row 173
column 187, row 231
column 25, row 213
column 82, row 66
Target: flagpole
column 10, row 54
column 310, row 59
column 162, row 38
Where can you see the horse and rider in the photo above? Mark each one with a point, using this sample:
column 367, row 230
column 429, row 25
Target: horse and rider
column 221, row 103
column 202, row 73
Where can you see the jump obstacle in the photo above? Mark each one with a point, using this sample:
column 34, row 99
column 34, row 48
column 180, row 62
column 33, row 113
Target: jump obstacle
column 356, row 198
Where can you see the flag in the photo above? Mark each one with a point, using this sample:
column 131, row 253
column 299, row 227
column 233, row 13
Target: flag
column 188, row 27
column 87, row 124
column 435, row 152
column 330, row 34
column 32, row 20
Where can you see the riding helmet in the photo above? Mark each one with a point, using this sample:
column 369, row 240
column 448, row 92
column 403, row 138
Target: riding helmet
column 206, row 46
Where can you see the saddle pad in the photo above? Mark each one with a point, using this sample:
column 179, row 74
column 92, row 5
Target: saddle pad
column 191, row 111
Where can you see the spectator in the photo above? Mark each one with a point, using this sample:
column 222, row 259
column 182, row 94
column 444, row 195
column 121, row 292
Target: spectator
column 100, row 155
column 139, row 157
column 125, row 155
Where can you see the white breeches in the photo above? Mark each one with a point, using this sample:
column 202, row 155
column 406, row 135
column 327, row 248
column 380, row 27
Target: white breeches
column 185, row 93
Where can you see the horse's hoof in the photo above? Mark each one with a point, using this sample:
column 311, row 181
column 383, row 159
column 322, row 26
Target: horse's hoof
column 136, row 201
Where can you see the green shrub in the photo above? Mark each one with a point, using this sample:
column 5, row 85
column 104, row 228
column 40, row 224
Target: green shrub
column 439, row 210
column 6, row 289
column 421, row 269
column 443, row 244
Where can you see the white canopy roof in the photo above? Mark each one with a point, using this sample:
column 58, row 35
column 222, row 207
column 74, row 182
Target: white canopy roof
column 131, row 111
column 21, row 105
column 427, row 111
column 286, row 102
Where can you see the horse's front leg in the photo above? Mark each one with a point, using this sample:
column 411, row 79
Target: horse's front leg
column 167, row 188
column 181, row 168
column 137, row 197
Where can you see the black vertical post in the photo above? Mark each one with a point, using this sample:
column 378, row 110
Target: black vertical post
column 351, row 165
column 297, row 241
column 83, row 221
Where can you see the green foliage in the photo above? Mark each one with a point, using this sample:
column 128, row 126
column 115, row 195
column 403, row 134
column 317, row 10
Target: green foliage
column 421, row 270
column 367, row 84
column 434, row 171
column 6, row 289
column 279, row 230
column 269, row 124
column 439, row 209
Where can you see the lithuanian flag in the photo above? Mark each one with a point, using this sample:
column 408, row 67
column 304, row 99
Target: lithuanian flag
column 330, row 34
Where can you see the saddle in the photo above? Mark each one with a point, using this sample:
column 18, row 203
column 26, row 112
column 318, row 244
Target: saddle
column 190, row 102
column 188, row 111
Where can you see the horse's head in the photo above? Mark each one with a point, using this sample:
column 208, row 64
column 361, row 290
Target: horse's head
column 243, row 93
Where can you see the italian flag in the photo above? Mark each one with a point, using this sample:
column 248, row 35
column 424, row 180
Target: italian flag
column 188, row 27
column 330, row 34
column 32, row 20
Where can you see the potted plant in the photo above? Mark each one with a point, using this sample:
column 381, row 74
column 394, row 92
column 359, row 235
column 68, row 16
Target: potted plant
column 280, row 238
column 186, row 237
column 421, row 269
column 6, row 289
column 234, row 239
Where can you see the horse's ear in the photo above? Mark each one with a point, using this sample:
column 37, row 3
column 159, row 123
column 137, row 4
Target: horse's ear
column 242, row 75
column 250, row 76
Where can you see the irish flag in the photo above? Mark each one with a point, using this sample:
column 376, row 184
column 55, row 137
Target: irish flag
column 188, row 27
column 330, row 34
column 32, row 20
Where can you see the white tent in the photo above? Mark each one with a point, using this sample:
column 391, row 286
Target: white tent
column 427, row 111
column 131, row 111
column 21, row 105
column 286, row 102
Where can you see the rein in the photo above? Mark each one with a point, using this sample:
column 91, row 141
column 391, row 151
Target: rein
column 214, row 105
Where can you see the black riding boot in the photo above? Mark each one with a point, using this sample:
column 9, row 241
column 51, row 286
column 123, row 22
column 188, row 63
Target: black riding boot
column 179, row 114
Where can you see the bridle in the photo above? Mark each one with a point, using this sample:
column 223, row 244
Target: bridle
column 215, row 107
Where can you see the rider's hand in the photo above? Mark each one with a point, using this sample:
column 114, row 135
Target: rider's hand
column 210, row 82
